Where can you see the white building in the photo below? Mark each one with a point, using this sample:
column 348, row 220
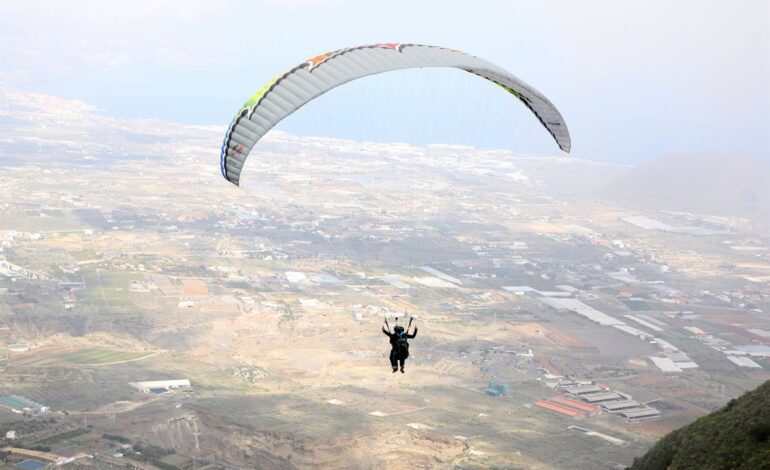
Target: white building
column 155, row 386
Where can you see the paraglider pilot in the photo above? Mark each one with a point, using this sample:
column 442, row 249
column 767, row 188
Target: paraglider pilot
column 399, row 345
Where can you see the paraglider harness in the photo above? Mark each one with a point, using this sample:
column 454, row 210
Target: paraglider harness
column 399, row 342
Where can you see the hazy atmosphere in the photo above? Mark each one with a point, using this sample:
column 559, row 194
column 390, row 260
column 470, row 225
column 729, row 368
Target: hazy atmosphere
column 222, row 250
column 633, row 81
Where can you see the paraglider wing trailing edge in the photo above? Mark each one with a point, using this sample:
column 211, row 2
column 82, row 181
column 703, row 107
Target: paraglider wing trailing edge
column 289, row 91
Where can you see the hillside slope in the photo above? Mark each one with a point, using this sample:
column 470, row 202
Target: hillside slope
column 736, row 436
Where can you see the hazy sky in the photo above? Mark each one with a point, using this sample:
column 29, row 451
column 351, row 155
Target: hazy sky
column 633, row 79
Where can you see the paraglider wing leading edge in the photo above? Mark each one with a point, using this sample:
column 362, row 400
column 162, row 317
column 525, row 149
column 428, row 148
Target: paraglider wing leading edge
column 290, row 91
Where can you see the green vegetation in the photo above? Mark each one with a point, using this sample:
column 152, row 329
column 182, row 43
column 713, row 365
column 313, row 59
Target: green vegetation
column 736, row 436
column 83, row 255
column 117, row 438
column 39, row 448
column 152, row 454
column 64, row 436
column 109, row 290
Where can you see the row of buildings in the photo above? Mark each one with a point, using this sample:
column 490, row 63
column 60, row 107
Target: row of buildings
column 610, row 401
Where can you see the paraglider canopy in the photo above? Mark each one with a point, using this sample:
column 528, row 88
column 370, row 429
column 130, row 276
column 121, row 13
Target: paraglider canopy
column 289, row 91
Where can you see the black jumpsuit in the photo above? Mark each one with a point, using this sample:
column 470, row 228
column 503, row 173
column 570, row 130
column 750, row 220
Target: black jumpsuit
column 394, row 359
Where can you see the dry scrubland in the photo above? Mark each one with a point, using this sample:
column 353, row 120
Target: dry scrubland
column 132, row 260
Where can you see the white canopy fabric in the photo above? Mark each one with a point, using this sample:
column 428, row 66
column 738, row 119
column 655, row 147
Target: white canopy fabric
column 290, row 91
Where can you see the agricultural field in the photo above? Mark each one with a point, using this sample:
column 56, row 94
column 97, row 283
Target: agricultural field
column 549, row 334
column 76, row 356
column 109, row 290
column 84, row 255
column 194, row 288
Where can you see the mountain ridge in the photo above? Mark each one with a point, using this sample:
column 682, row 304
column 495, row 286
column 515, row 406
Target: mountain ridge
column 737, row 436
